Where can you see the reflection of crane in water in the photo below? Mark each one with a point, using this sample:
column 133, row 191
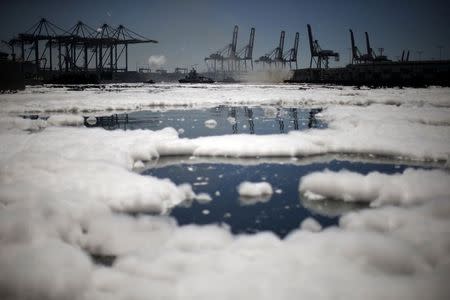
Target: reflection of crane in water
column 249, row 114
column 114, row 121
column 279, row 117
column 312, row 117
column 294, row 115
column 233, row 114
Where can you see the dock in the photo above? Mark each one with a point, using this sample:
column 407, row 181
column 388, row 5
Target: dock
column 379, row 74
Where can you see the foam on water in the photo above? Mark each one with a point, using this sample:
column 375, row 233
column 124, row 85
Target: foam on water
column 41, row 99
column 64, row 192
column 272, row 202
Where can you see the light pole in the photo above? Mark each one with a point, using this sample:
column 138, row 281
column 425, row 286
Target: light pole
column 440, row 51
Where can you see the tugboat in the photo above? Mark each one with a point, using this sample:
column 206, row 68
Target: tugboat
column 193, row 77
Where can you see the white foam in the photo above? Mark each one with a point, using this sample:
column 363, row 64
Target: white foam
column 8, row 123
column 41, row 271
column 254, row 189
column 92, row 164
column 251, row 193
column 203, row 198
column 410, row 187
column 374, row 130
column 363, row 261
column 61, row 189
column 65, row 120
column 231, row 120
column 312, row 196
column 383, row 130
column 211, row 123
column 113, row 98
column 309, row 224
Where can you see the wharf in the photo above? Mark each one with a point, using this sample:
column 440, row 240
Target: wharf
column 411, row 73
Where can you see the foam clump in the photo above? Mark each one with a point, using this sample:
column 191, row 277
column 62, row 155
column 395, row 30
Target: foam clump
column 310, row 224
column 92, row 164
column 20, row 123
column 368, row 259
column 65, row 120
column 211, row 123
column 254, row 189
column 44, row 270
column 203, row 198
column 251, row 193
column 8, row 124
column 410, row 187
column 231, row 120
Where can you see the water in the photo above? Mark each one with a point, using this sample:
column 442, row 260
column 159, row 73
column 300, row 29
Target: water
column 229, row 120
column 281, row 213
column 219, row 177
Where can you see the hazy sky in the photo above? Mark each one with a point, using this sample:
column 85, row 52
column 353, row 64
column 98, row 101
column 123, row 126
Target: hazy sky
column 188, row 31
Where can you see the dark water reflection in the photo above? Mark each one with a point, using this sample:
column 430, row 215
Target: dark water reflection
column 229, row 120
column 281, row 213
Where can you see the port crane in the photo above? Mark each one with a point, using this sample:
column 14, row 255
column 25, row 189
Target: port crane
column 226, row 54
column 405, row 59
column 357, row 56
column 319, row 56
column 75, row 48
column 246, row 53
column 370, row 56
column 291, row 55
column 275, row 56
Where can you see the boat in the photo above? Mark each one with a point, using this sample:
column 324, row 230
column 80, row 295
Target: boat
column 193, row 77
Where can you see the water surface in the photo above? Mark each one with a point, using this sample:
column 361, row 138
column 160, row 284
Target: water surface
column 193, row 123
column 280, row 213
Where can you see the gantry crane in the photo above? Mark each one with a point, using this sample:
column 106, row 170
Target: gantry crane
column 357, row 57
column 370, row 56
column 319, row 56
column 79, row 41
column 246, row 53
column 405, row 59
column 226, row 54
column 275, row 56
column 291, row 55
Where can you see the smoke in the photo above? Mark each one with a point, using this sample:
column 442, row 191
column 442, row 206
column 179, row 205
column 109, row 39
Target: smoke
column 156, row 60
column 269, row 76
